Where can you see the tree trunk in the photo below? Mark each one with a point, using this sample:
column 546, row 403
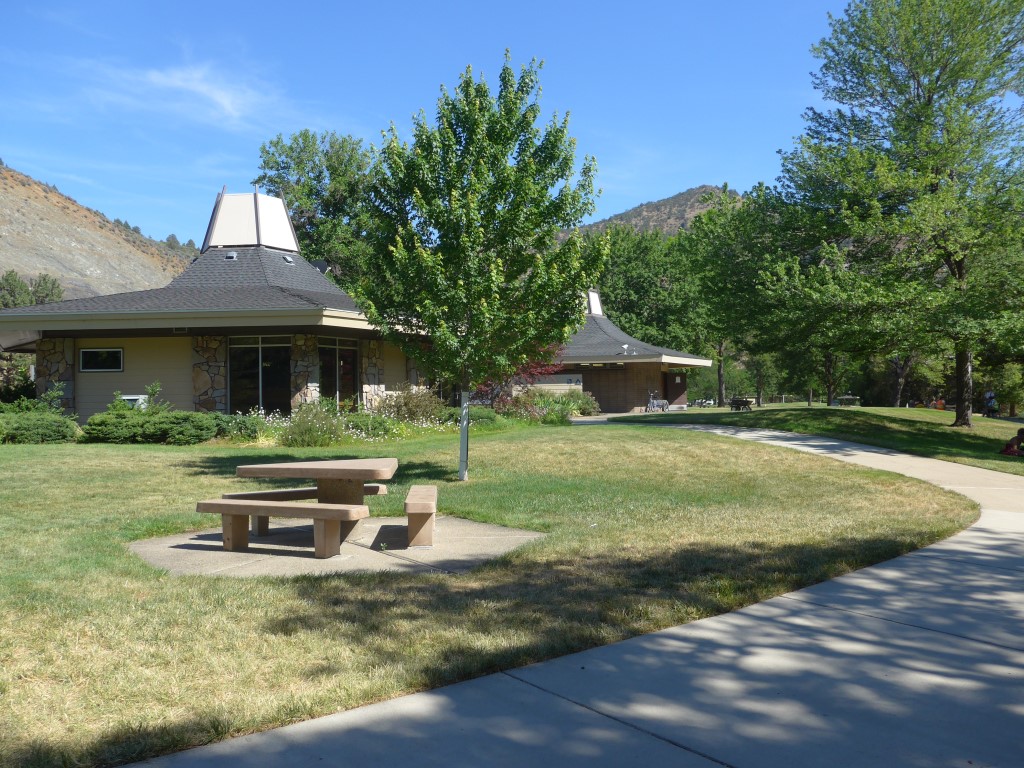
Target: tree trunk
column 964, row 387
column 464, row 437
column 810, row 397
column 901, row 367
column 829, row 372
column 721, row 374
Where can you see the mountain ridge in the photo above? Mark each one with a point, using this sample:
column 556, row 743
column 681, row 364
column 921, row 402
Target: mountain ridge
column 666, row 216
column 44, row 231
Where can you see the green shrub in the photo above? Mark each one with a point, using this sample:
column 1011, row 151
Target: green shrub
column 371, row 426
column 582, row 403
column 477, row 414
column 547, row 408
column 313, row 425
column 48, row 402
column 156, row 422
column 178, row 427
column 37, row 427
column 114, row 426
column 245, row 426
column 414, row 405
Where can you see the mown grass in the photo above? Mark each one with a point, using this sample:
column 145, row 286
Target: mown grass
column 105, row 660
column 920, row 431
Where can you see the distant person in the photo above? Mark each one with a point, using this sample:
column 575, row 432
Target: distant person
column 940, row 404
column 991, row 405
column 1013, row 448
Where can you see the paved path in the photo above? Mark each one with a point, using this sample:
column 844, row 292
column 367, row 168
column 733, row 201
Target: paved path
column 918, row 661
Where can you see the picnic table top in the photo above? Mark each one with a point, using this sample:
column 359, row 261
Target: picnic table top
column 331, row 469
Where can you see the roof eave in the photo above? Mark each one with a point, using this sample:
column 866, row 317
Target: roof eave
column 669, row 360
column 181, row 318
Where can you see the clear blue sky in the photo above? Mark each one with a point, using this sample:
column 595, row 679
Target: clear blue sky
column 144, row 111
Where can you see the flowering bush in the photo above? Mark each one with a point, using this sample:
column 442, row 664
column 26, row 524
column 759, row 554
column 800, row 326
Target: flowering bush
column 415, row 405
column 547, row 408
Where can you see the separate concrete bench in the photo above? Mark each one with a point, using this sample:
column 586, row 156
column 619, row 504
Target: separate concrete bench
column 332, row 523
column 259, row 525
column 421, row 509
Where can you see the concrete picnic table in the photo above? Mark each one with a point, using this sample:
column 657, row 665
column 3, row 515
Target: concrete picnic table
column 338, row 481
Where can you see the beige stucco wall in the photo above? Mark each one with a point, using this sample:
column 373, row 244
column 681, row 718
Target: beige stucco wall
column 395, row 372
column 167, row 360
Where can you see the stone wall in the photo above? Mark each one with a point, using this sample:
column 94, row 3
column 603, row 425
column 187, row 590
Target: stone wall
column 55, row 364
column 305, row 369
column 210, row 373
column 372, row 372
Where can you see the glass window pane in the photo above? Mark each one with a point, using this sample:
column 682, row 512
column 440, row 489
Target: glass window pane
column 276, row 377
column 100, row 360
column 347, row 378
column 329, row 373
column 243, row 378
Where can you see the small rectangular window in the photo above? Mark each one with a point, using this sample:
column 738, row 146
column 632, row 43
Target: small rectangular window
column 93, row 360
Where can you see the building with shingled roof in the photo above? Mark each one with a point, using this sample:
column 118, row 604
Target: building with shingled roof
column 620, row 371
column 251, row 324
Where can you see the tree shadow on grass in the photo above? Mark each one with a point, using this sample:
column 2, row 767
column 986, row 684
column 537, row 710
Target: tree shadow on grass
column 123, row 744
column 537, row 609
column 555, row 607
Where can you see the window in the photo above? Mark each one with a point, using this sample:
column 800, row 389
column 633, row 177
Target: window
column 259, row 374
column 95, row 360
column 338, row 380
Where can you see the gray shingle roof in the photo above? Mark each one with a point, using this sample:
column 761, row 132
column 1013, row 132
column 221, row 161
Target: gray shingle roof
column 601, row 338
column 257, row 278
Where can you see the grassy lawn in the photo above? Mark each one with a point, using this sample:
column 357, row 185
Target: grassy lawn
column 104, row 659
column 920, row 431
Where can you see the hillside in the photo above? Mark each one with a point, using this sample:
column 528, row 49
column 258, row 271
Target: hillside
column 665, row 216
column 42, row 230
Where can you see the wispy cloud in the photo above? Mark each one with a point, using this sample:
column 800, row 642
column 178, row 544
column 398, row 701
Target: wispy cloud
column 201, row 93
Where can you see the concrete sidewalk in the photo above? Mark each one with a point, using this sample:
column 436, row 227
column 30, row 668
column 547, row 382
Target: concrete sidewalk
column 918, row 661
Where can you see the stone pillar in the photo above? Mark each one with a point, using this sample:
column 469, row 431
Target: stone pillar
column 305, row 369
column 210, row 373
column 55, row 364
column 372, row 372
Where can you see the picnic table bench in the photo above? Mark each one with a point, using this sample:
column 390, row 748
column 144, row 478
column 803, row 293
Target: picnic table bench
column 338, row 507
column 332, row 523
column 740, row 404
column 335, row 504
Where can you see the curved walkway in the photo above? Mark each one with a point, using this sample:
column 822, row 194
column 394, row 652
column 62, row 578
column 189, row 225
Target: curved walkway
column 918, row 661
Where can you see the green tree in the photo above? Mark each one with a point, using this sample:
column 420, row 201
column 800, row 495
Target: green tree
column 467, row 255
column 920, row 162
column 14, row 292
column 322, row 178
column 648, row 288
column 45, row 289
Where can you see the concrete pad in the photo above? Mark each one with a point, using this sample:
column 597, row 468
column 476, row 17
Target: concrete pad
column 493, row 721
column 785, row 683
column 377, row 544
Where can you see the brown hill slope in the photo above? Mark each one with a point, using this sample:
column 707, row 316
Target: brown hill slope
column 42, row 230
column 665, row 216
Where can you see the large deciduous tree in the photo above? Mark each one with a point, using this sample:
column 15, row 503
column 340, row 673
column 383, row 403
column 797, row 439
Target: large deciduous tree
column 322, row 178
column 920, row 163
column 649, row 289
column 466, row 221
